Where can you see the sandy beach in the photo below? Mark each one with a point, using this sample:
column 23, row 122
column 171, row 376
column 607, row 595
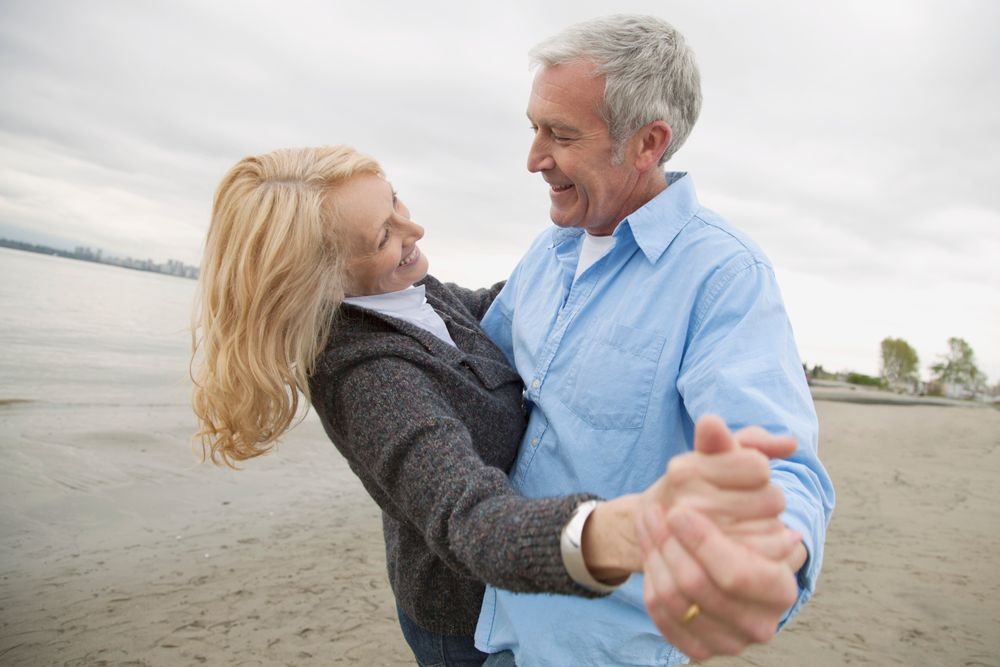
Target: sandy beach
column 119, row 548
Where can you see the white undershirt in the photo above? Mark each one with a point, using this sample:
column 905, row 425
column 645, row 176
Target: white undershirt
column 593, row 248
column 409, row 305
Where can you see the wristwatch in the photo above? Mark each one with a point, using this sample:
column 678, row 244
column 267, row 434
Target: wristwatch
column 571, row 546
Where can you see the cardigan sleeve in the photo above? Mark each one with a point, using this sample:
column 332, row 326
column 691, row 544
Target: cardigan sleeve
column 477, row 301
column 416, row 459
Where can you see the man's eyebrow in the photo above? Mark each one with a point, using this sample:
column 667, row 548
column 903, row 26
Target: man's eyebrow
column 554, row 125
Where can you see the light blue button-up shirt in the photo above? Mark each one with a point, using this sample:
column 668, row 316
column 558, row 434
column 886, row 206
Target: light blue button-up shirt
column 682, row 317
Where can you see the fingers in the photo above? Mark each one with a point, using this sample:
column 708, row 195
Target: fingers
column 757, row 527
column 770, row 445
column 712, row 436
column 726, row 460
column 729, row 567
column 669, row 573
column 727, row 623
column 651, row 528
column 730, row 507
column 728, row 487
column 735, row 569
column 664, row 602
column 735, row 469
column 779, row 546
column 769, row 537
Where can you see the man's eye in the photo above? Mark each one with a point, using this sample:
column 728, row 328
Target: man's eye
column 385, row 239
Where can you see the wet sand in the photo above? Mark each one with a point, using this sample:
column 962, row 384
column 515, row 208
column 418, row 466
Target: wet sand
column 119, row 548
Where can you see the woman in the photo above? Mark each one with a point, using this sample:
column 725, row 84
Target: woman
column 307, row 285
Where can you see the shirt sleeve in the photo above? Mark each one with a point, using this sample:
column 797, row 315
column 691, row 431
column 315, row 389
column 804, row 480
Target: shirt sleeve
column 420, row 467
column 741, row 363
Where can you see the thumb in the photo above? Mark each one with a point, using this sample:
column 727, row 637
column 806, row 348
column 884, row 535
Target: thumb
column 712, row 436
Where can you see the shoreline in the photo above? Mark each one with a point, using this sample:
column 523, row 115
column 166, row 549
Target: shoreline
column 865, row 396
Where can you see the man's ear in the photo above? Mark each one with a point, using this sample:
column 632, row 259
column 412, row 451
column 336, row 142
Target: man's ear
column 653, row 139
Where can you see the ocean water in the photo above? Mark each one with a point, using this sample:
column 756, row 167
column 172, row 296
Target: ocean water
column 83, row 334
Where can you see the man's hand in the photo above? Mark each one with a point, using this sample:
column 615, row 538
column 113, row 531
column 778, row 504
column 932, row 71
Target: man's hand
column 740, row 594
column 726, row 477
column 732, row 556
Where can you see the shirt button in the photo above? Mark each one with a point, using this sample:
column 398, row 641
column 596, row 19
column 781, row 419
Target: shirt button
column 535, row 384
column 534, row 442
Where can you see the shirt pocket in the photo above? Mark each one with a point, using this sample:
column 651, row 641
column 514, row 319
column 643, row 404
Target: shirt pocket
column 609, row 383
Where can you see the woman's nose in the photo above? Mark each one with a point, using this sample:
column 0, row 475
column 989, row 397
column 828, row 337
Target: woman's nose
column 415, row 230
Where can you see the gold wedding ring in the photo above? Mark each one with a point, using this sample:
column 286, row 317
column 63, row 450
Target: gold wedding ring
column 689, row 615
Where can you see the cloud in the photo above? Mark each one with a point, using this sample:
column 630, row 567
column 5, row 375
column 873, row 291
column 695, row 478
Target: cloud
column 858, row 145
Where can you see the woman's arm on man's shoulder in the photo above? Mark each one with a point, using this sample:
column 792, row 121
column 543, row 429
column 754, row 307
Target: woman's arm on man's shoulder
column 477, row 301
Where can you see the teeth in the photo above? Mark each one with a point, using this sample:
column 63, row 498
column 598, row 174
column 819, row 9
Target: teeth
column 409, row 258
column 561, row 188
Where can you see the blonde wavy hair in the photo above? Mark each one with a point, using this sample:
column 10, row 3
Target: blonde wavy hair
column 272, row 277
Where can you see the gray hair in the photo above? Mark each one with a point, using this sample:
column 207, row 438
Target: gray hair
column 650, row 73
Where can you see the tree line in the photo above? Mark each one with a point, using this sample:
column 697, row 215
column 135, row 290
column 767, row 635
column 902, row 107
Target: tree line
column 955, row 374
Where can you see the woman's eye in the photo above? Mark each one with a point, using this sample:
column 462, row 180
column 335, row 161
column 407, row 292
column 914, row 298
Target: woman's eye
column 385, row 239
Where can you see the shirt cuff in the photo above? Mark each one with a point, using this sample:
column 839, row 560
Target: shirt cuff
column 795, row 517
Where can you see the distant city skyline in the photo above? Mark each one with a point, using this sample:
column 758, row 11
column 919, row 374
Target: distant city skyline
column 14, row 233
column 857, row 145
column 170, row 267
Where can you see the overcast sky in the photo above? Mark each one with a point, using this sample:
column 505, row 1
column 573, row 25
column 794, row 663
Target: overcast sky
column 857, row 142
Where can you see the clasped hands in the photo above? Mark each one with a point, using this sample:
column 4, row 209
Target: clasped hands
column 719, row 565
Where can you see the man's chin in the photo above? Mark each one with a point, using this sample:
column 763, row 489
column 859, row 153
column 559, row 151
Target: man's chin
column 561, row 218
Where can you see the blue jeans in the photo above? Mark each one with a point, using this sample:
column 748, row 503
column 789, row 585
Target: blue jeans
column 434, row 650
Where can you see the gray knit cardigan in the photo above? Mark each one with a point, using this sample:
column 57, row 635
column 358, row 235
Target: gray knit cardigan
column 431, row 431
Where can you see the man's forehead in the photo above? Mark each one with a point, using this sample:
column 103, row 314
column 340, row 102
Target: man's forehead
column 574, row 116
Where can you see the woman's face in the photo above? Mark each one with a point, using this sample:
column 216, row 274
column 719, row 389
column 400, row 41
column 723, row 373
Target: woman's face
column 381, row 237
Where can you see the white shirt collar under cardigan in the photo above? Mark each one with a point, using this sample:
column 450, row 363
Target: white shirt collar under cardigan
column 409, row 305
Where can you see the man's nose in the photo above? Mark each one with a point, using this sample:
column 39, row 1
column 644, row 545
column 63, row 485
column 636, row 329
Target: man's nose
column 539, row 158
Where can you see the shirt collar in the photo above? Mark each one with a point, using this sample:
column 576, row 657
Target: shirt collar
column 658, row 221
column 404, row 301
column 655, row 224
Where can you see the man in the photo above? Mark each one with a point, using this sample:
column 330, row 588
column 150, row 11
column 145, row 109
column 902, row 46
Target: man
column 640, row 312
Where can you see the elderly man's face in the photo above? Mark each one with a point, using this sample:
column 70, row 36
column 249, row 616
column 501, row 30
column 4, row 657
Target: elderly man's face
column 573, row 151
